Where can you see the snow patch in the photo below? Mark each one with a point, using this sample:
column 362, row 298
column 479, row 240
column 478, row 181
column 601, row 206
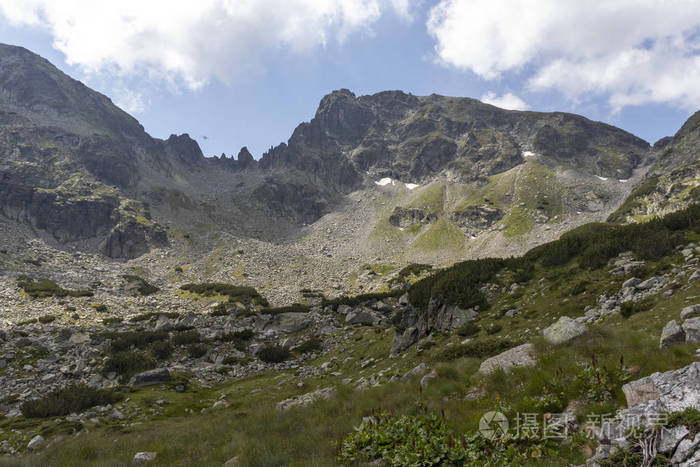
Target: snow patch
column 528, row 154
column 385, row 181
column 624, row 181
column 601, row 178
column 411, row 186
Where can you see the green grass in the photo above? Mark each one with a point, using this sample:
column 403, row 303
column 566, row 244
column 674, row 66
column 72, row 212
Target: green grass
column 441, row 235
column 43, row 288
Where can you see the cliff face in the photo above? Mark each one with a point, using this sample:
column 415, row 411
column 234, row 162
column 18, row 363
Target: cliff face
column 70, row 161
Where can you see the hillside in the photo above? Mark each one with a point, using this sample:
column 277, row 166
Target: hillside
column 576, row 328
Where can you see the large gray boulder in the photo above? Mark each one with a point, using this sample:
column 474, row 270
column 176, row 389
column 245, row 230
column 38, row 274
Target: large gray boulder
column 521, row 356
column 159, row 375
column 671, row 334
column 563, row 330
column 692, row 330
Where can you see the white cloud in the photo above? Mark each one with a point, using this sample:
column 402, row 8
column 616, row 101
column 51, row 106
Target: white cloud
column 506, row 101
column 189, row 42
column 630, row 51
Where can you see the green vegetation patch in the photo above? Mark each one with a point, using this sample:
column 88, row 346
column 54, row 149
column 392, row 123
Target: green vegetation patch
column 480, row 349
column 441, row 235
column 234, row 293
column 274, row 354
column 355, row 300
column 293, row 308
column 71, row 399
column 140, row 285
column 42, row 288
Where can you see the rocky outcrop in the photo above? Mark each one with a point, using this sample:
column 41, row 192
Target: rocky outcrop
column 405, row 217
column 157, row 376
column 474, row 219
column 132, row 238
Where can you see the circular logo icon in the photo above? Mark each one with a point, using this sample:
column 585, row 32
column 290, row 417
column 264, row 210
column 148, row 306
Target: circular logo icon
column 493, row 425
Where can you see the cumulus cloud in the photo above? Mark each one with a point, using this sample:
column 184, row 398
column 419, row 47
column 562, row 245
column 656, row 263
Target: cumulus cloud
column 630, row 51
column 506, row 101
column 190, row 42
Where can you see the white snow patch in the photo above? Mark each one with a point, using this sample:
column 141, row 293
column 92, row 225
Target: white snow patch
column 528, row 154
column 385, row 181
column 411, row 186
column 624, row 181
column 601, row 178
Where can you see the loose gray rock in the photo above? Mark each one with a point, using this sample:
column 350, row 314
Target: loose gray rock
column 141, row 458
column 693, row 277
column 35, row 442
column 520, row 356
column 632, row 282
column 418, row 370
column 692, row 330
column 649, row 283
column 159, row 375
column 692, row 311
column 563, row 330
column 672, row 334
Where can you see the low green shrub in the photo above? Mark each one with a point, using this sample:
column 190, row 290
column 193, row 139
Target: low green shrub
column 45, row 319
column 154, row 315
column 480, row 349
column 274, row 354
column 71, row 399
column 601, row 383
column 362, row 298
column 293, row 308
column 690, row 418
column 186, row 337
column 233, row 292
column 100, row 308
column 138, row 339
column 314, row 344
column 162, row 350
column 630, row 308
column 140, row 284
column 468, row 329
column 197, row 350
column 493, row 329
column 42, row 288
column 127, row 362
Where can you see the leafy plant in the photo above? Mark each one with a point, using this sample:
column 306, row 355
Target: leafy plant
column 468, row 329
column 600, row 383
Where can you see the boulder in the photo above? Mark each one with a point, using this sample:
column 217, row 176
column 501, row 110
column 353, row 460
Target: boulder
column 649, row 283
column 692, row 330
column 159, row 375
column 671, row 334
column 361, row 316
column 694, row 276
column 672, row 391
column 290, row 322
column 35, row 442
column 563, row 330
column 692, row 311
column 79, row 338
column 416, row 371
column 141, row 458
column 633, row 282
column 404, row 340
column 521, row 356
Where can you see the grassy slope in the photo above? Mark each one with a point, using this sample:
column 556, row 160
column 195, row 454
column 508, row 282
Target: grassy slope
column 254, row 430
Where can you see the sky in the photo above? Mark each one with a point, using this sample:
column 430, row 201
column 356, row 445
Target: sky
column 235, row 73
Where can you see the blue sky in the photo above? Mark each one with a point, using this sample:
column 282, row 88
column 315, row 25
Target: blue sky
column 246, row 73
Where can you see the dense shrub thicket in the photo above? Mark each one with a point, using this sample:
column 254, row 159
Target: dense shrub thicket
column 590, row 246
column 71, row 399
